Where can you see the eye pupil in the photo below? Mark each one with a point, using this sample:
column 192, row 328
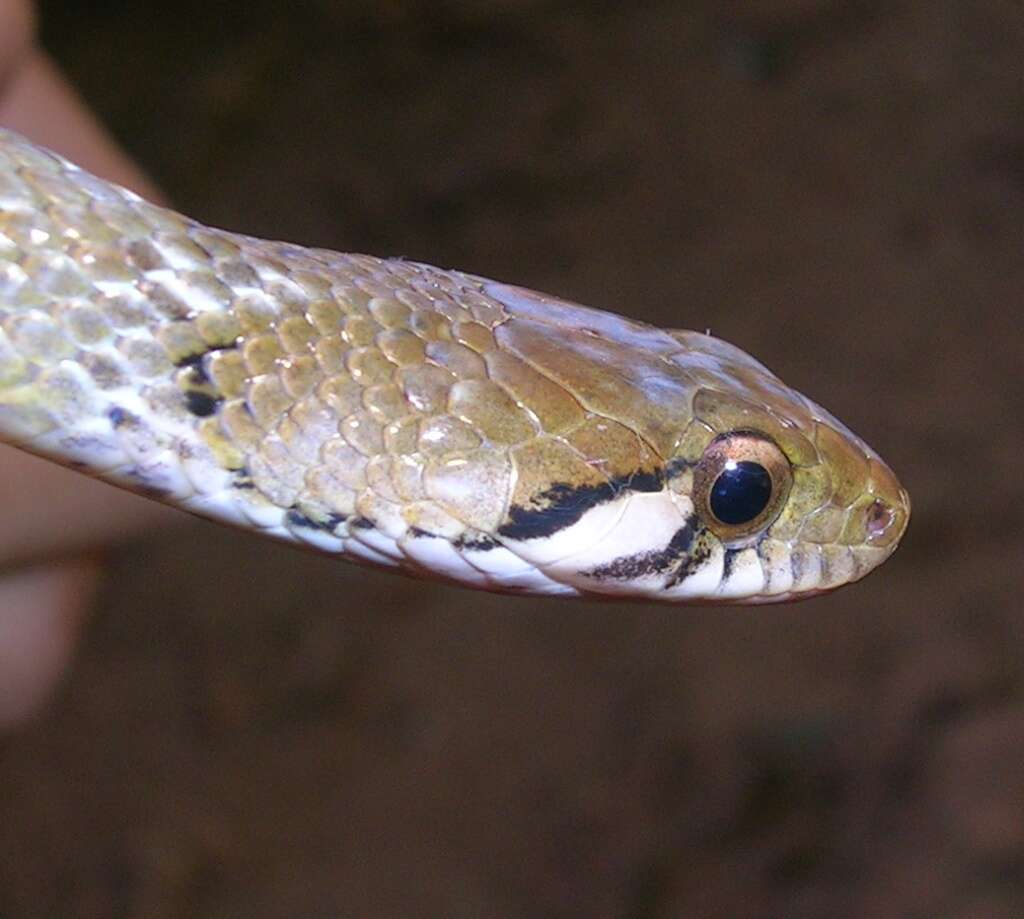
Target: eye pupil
column 741, row 491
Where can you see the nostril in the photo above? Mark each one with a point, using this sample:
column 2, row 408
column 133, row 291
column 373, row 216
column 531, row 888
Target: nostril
column 878, row 517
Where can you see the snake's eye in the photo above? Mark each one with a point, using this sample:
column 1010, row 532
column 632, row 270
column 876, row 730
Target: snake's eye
column 741, row 491
column 740, row 485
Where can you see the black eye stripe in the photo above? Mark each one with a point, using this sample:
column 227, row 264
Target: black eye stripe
column 741, row 492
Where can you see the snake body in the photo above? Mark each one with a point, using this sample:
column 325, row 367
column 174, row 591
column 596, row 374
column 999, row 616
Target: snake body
column 405, row 416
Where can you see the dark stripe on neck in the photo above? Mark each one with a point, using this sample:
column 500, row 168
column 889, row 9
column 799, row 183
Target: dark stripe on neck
column 328, row 524
column 562, row 505
column 477, row 542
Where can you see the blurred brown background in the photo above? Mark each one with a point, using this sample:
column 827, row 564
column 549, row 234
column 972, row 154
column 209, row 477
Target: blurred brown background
column 837, row 187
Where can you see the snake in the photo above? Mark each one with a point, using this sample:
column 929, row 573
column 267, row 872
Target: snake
column 408, row 417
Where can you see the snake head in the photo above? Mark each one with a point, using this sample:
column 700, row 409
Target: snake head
column 791, row 500
column 699, row 476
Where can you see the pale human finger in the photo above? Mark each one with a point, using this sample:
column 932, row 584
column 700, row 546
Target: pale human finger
column 48, row 515
column 41, row 612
